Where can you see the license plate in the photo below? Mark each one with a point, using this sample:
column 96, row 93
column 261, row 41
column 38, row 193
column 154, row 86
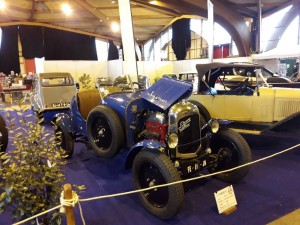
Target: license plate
column 61, row 104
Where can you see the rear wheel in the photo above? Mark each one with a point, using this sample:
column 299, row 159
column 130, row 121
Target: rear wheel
column 3, row 135
column 230, row 150
column 151, row 168
column 104, row 131
column 66, row 141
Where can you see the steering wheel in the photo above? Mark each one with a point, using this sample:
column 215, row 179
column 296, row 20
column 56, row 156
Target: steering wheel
column 295, row 77
column 138, row 84
column 244, row 88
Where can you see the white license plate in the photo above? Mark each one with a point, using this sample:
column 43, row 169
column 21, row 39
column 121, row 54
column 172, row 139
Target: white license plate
column 60, row 104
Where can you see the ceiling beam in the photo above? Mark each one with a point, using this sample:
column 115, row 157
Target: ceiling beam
column 61, row 28
column 32, row 10
column 282, row 26
column 247, row 12
column 282, row 6
column 143, row 17
column 66, row 20
column 93, row 11
column 167, row 11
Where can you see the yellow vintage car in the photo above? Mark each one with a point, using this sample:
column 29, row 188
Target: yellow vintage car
column 262, row 109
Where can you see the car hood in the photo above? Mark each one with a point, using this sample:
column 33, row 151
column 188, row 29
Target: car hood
column 167, row 91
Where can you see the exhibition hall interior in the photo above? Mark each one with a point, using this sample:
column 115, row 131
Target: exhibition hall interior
column 149, row 112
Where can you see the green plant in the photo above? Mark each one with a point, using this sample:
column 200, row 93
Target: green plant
column 85, row 80
column 31, row 174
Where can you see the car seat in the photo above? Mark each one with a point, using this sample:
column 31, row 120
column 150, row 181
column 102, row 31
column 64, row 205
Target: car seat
column 86, row 101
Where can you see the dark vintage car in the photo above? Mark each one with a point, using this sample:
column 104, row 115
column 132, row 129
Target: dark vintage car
column 165, row 137
column 232, row 75
column 3, row 135
column 260, row 109
column 127, row 82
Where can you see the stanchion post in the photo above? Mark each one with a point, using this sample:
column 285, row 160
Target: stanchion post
column 69, row 209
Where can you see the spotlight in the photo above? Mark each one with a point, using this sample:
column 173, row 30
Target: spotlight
column 115, row 27
column 66, row 8
column 2, row 5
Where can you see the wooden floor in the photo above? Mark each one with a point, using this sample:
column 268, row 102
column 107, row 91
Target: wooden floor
column 292, row 218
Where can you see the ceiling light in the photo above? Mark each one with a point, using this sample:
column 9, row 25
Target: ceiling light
column 2, row 5
column 153, row 2
column 66, row 8
column 115, row 27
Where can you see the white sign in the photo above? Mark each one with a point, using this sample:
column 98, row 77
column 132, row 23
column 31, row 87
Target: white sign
column 225, row 199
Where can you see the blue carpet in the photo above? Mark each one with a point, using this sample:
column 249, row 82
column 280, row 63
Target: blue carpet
column 269, row 191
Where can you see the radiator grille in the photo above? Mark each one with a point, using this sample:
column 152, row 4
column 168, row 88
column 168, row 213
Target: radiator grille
column 188, row 134
column 286, row 107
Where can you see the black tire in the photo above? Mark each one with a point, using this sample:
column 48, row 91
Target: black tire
column 151, row 167
column 66, row 141
column 3, row 135
column 104, row 131
column 232, row 150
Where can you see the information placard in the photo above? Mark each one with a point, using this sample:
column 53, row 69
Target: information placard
column 225, row 199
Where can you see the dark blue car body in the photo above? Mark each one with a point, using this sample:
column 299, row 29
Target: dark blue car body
column 158, row 97
column 167, row 138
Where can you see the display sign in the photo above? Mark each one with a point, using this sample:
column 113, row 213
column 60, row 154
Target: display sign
column 225, row 199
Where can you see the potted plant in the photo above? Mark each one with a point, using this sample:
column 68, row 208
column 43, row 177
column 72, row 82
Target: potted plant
column 32, row 172
column 85, row 80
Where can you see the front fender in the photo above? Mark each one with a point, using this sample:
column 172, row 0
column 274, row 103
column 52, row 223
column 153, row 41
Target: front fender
column 64, row 120
column 288, row 126
column 135, row 149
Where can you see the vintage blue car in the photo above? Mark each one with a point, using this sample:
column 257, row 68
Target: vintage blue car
column 166, row 137
column 3, row 135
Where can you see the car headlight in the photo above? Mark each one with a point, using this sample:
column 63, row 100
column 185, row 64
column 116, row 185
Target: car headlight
column 172, row 140
column 214, row 126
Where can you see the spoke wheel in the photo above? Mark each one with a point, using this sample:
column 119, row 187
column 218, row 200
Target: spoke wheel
column 102, row 132
column 152, row 168
column 230, row 150
column 105, row 131
column 150, row 176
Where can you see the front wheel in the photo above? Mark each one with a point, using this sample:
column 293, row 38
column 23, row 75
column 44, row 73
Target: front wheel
column 66, row 141
column 230, row 149
column 151, row 168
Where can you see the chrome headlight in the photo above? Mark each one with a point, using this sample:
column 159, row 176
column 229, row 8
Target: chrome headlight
column 172, row 140
column 214, row 126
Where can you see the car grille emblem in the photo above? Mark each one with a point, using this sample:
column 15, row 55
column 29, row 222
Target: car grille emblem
column 184, row 124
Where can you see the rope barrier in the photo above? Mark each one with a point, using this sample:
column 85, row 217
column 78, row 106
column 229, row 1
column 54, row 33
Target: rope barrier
column 75, row 199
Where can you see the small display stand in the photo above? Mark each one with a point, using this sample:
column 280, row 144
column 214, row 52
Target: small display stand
column 226, row 201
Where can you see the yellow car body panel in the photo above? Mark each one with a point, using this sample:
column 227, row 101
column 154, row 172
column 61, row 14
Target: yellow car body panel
column 265, row 105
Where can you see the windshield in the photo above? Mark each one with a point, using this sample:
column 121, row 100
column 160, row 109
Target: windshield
column 266, row 73
column 57, row 81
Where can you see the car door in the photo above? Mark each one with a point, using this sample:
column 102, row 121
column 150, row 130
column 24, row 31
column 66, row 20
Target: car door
column 239, row 108
column 228, row 107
